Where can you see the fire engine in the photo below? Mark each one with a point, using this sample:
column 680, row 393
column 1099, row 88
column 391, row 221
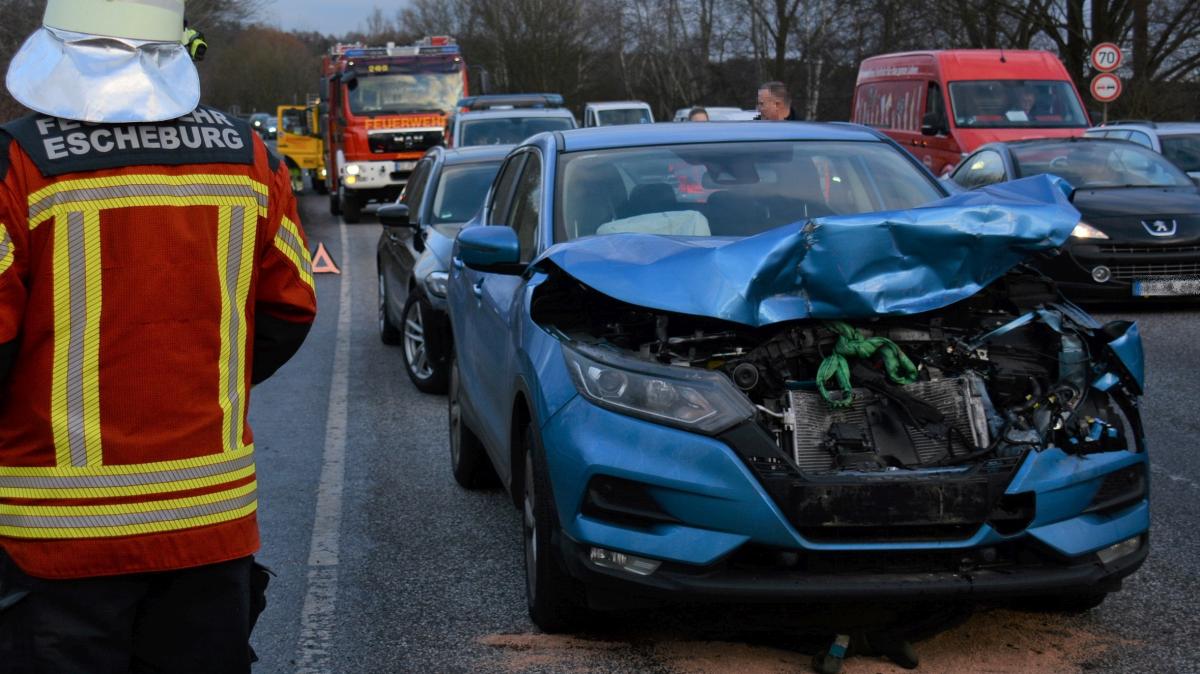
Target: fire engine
column 386, row 106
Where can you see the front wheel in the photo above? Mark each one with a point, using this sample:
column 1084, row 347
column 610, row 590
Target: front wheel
column 468, row 460
column 335, row 204
column 554, row 598
column 388, row 332
column 426, row 374
column 351, row 205
column 318, row 184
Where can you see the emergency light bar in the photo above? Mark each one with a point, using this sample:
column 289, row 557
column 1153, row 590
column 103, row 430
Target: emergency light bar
column 441, row 44
column 511, row 101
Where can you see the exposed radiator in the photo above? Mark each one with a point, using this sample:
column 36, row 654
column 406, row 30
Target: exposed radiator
column 953, row 397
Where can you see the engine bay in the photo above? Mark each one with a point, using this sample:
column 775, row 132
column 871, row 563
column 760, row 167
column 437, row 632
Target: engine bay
column 1006, row 371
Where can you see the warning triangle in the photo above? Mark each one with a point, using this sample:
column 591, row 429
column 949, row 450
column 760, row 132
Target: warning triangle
column 322, row 263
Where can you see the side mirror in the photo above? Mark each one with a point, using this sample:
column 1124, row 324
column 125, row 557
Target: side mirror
column 395, row 215
column 350, row 79
column 932, row 125
column 490, row 249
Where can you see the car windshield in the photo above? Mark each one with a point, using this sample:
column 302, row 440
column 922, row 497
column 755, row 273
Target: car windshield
column 460, row 191
column 1183, row 150
column 509, row 130
column 1097, row 164
column 730, row 189
column 396, row 93
column 623, row 116
column 1016, row 104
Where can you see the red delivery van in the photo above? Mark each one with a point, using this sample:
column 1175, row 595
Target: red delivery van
column 942, row 105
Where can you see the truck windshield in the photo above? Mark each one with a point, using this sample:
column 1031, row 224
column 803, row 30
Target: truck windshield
column 623, row 116
column 731, row 188
column 1016, row 104
column 1183, row 150
column 396, row 93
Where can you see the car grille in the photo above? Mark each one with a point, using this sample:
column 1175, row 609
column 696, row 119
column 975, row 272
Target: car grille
column 1129, row 272
column 403, row 141
column 1123, row 249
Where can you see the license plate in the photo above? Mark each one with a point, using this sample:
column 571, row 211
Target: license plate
column 1166, row 287
column 405, row 165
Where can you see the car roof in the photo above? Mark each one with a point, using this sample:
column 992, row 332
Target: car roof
column 682, row 133
column 612, row 105
column 475, row 153
column 1161, row 128
column 516, row 112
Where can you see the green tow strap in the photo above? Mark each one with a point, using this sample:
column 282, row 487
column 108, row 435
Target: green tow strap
column 852, row 344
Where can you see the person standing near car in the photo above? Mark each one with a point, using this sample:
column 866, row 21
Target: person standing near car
column 152, row 268
column 775, row 103
column 698, row 114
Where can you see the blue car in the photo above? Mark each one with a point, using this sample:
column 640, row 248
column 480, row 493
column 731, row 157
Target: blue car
column 778, row 362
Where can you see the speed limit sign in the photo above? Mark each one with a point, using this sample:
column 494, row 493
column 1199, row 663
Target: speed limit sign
column 1106, row 57
column 1106, row 87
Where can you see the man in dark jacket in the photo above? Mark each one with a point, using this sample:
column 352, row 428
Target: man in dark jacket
column 775, row 103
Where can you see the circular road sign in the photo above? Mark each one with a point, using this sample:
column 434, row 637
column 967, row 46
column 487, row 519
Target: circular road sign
column 1106, row 57
column 1106, row 87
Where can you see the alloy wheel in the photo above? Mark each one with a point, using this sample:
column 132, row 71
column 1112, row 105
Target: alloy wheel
column 414, row 343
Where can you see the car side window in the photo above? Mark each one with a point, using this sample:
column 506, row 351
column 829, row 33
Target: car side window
column 414, row 190
column 1141, row 139
column 1119, row 135
column 527, row 207
column 498, row 209
column 985, row 168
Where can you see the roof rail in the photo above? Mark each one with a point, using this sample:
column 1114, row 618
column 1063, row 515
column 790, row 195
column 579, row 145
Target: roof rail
column 511, row 101
column 1144, row 122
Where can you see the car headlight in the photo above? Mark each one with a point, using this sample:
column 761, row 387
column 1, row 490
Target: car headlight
column 694, row 399
column 1085, row 231
column 436, row 282
column 271, row 129
column 353, row 169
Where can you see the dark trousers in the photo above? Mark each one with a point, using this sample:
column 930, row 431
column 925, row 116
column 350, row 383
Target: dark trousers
column 191, row 620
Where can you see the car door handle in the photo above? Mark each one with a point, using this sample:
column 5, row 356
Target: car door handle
column 457, row 262
column 478, row 288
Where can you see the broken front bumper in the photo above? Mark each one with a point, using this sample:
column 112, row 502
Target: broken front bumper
column 705, row 509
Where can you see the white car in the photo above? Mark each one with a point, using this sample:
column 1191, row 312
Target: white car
column 610, row 113
column 1177, row 141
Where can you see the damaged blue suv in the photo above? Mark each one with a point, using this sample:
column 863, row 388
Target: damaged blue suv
column 777, row 362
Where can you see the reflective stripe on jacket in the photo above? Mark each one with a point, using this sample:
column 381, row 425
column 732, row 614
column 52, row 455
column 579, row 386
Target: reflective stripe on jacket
column 136, row 263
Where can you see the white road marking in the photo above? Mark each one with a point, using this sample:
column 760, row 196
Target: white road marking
column 1163, row 472
column 314, row 651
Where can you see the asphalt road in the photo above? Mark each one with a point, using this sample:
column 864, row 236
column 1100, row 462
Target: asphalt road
column 385, row 565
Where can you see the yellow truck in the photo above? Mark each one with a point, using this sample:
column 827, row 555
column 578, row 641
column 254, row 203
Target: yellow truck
column 299, row 143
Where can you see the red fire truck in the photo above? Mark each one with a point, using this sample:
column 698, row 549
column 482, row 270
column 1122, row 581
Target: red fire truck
column 384, row 107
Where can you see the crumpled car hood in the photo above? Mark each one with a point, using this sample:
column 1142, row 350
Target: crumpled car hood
column 874, row 264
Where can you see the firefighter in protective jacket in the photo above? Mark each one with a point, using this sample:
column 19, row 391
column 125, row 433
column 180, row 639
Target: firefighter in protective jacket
column 152, row 268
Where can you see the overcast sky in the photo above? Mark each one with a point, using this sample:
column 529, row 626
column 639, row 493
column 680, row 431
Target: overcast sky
column 325, row 16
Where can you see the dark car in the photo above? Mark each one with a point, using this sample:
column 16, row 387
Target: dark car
column 264, row 124
column 1140, row 232
column 446, row 188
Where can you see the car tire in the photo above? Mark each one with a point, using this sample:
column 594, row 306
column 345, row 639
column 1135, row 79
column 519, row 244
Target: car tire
column 468, row 460
column 318, row 185
column 388, row 332
column 555, row 600
column 335, row 204
column 351, row 207
column 426, row 374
